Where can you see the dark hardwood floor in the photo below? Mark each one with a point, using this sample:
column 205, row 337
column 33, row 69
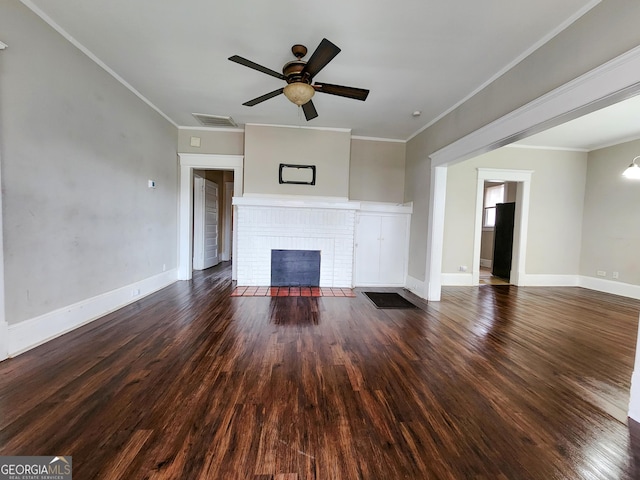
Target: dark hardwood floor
column 493, row 382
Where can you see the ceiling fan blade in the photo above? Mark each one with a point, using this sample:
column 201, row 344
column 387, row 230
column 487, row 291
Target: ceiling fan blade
column 264, row 97
column 255, row 66
column 319, row 59
column 349, row 92
column 309, row 110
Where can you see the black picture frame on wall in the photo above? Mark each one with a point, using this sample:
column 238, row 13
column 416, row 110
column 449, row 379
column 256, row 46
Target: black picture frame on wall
column 296, row 174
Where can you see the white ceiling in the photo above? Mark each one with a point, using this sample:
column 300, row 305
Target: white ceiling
column 612, row 125
column 426, row 55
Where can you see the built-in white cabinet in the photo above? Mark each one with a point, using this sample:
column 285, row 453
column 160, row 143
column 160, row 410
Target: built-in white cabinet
column 381, row 245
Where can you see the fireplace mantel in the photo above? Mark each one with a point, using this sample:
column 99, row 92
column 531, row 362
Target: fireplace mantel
column 297, row 201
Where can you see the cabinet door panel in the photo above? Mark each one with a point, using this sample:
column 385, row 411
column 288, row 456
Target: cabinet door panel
column 367, row 255
column 393, row 249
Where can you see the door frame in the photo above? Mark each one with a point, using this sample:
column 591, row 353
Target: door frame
column 188, row 163
column 521, row 220
column 228, row 221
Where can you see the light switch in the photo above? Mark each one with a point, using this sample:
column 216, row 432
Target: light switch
column 195, row 141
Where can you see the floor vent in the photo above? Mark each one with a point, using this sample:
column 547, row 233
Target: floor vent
column 214, row 120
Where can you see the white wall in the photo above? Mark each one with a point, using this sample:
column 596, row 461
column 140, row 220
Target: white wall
column 611, row 227
column 77, row 151
column 555, row 215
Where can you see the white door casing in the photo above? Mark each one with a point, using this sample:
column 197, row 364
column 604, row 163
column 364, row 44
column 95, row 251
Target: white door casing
column 197, row 161
column 521, row 221
column 227, row 230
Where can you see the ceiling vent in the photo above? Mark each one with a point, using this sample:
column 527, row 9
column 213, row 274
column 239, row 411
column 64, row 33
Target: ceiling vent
column 214, row 120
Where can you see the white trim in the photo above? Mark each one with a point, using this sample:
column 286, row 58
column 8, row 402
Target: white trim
column 542, row 147
column 336, row 203
column 521, row 223
column 377, row 139
column 29, row 4
column 4, row 340
column 456, row 279
column 213, row 129
column 415, row 286
column 549, row 280
column 227, row 230
column 486, row 262
column 386, row 207
column 610, row 286
column 330, row 129
column 513, row 63
column 189, row 162
column 435, row 236
column 30, row 333
column 610, row 83
column 634, row 397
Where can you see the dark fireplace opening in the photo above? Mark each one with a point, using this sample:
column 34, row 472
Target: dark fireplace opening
column 295, row 268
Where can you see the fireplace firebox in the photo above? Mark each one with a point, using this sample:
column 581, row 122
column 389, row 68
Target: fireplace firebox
column 295, row 268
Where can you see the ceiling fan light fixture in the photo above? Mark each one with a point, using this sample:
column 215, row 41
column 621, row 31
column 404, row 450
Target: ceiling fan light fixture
column 299, row 93
column 633, row 170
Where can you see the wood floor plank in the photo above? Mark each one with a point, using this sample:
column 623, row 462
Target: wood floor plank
column 493, row 382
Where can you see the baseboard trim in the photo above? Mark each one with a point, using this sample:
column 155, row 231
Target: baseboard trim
column 416, row 286
column 35, row 331
column 486, row 263
column 544, row 280
column 4, row 336
column 456, row 279
column 609, row 286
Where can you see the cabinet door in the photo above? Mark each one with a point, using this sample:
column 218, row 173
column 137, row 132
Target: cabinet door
column 393, row 249
column 367, row 255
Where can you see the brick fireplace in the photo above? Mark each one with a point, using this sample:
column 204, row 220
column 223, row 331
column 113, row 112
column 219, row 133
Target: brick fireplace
column 297, row 223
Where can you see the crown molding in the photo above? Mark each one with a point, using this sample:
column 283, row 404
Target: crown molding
column 90, row 54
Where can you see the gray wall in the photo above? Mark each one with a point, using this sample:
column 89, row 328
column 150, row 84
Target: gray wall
column 266, row 147
column 555, row 213
column 377, row 171
column 608, row 30
column 77, row 150
column 212, row 141
column 611, row 227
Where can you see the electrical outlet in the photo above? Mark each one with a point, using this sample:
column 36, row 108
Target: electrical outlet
column 601, row 273
column 615, row 275
column 462, row 268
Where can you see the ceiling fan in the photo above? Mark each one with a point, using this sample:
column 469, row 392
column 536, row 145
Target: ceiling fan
column 299, row 77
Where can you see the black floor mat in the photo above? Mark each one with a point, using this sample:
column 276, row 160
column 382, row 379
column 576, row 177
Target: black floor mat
column 389, row 300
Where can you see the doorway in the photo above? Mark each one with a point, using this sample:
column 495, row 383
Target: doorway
column 188, row 163
column 496, row 242
column 520, row 181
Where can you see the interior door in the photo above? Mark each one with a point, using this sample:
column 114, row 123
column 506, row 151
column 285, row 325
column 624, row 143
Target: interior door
column 503, row 240
column 205, row 224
